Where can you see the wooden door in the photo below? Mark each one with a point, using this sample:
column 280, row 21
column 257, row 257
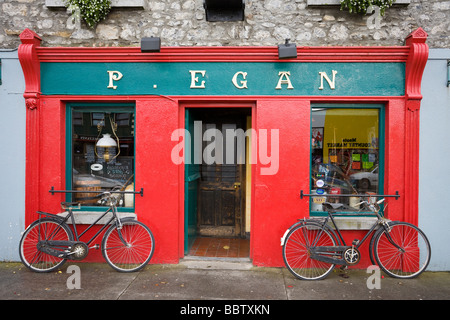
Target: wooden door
column 191, row 179
column 221, row 187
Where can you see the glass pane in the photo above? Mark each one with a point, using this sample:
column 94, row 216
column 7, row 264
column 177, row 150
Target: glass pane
column 344, row 156
column 97, row 168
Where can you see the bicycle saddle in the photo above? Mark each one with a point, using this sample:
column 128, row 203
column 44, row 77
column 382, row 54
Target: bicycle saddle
column 331, row 207
column 69, row 204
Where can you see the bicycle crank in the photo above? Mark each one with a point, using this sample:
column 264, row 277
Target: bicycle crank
column 351, row 255
column 342, row 255
column 78, row 251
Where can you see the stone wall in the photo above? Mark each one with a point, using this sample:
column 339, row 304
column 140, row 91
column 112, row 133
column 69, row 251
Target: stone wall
column 267, row 22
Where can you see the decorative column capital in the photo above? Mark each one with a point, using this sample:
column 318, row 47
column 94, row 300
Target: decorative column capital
column 415, row 63
column 31, row 67
column 32, row 103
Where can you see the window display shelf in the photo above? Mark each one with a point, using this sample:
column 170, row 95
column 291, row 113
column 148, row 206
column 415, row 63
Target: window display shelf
column 89, row 217
column 353, row 223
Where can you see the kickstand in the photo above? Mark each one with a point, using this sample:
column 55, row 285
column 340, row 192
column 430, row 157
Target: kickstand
column 343, row 271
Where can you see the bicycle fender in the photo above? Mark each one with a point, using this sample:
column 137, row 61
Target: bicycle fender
column 283, row 238
column 127, row 219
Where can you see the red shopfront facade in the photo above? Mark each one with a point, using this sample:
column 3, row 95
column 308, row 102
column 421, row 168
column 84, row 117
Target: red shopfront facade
column 345, row 110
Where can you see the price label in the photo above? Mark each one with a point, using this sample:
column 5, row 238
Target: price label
column 318, row 200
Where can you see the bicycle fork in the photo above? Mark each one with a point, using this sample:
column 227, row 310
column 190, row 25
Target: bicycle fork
column 119, row 228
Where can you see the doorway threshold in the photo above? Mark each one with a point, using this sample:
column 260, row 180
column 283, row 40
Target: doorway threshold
column 216, row 263
column 213, row 247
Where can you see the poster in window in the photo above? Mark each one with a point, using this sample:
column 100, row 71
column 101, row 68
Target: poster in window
column 317, row 138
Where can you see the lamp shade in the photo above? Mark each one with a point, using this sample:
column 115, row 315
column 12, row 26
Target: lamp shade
column 106, row 142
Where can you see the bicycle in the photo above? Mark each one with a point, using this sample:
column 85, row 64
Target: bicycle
column 311, row 248
column 127, row 245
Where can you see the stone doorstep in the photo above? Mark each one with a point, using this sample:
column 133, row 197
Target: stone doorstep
column 114, row 3
column 89, row 217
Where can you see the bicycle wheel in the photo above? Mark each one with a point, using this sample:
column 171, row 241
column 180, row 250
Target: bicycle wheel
column 296, row 251
column 133, row 255
column 44, row 229
column 410, row 255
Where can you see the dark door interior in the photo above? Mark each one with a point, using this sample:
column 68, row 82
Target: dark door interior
column 221, row 187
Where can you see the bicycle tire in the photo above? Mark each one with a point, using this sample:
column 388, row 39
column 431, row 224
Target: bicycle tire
column 31, row 256
column 296, row 254
column 409, row 261
column 135, row 255
column 371, row 253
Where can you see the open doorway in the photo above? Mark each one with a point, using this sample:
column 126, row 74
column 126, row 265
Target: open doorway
column 217, row 181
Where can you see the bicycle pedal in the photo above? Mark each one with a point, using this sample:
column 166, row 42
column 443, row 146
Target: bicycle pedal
column 355, row 242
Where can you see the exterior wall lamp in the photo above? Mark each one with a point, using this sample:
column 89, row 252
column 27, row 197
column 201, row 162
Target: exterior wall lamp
column 224, row 10
column 287, row 50
column 151, row 44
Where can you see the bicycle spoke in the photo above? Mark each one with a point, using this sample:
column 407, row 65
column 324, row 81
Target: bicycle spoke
column 297, row 254
column 133, row 255
column 41, row 230
column 404, row 252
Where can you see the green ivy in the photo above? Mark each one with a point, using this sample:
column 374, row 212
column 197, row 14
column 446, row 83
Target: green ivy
column 92, row 11
column 360, row 6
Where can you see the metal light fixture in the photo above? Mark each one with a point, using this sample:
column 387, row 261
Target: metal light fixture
column 107, row 143
column 224, row 10
column 287, row 50
column 151, row 44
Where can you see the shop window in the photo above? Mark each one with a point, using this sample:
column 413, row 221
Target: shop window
column 101, row 153
column 346, row 155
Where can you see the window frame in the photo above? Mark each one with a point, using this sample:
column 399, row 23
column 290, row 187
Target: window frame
column 381, row 150
column 93, row 107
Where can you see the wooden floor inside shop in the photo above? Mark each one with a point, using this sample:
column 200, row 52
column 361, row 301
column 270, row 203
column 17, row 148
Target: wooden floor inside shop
column 220, row 247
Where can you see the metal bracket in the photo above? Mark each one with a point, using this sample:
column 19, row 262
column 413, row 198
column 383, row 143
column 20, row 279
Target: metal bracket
column 53, row 191
column 396, row 195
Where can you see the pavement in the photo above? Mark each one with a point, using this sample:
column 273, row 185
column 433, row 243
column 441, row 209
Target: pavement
column 239, row 283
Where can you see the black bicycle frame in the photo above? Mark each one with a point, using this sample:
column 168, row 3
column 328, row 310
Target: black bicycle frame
column 340, row 235
column 320, row 252
column 62, row 243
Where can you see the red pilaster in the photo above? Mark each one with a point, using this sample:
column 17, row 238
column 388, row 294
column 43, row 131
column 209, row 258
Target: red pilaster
column 415, row 66
column 31, row 68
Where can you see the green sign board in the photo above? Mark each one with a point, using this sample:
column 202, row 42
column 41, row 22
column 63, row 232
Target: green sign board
column 224, row 79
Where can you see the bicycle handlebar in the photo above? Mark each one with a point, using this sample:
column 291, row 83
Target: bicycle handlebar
column 396, row 195
column 365, row 201
column 53, row 191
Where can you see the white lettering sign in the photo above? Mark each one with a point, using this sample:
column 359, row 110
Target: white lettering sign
column 284, row 79
column 239, row 79
column 194, row 79
column 114, row 76
column 243, row 84
column 331, row 83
